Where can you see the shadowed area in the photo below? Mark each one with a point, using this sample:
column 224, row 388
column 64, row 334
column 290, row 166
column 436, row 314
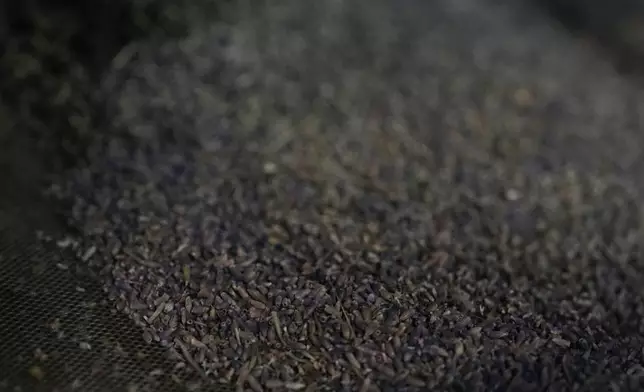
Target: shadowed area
column 617, row 26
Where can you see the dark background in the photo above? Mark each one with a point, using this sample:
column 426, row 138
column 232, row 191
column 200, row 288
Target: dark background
column 70, row 42
column 51, row 46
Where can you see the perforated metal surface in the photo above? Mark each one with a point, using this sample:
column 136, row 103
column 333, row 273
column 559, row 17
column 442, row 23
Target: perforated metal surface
column 58, row 330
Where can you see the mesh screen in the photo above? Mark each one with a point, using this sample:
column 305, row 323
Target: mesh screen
column 59, row 331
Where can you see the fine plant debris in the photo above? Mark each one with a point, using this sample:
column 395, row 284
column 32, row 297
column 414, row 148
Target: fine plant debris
column 371, row 196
